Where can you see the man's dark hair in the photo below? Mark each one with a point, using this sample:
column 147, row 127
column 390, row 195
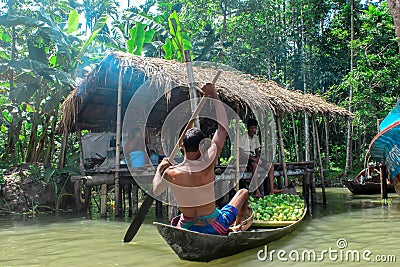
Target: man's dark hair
column 251, row 122
column 192, row 139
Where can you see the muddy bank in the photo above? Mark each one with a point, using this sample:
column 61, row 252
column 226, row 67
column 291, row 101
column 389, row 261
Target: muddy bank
column 23, row 191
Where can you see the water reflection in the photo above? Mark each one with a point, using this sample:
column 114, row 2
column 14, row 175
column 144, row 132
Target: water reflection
column 64, row 240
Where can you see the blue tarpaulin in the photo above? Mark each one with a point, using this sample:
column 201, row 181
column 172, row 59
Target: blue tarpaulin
column 385, row 146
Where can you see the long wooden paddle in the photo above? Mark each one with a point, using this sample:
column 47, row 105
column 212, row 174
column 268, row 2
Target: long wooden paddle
column 146, row 205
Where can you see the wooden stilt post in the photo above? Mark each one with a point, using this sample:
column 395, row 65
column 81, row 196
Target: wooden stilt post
column 135, row 196
column 77, row 193
column 312, row 189
column 282, row 150
column 269, row 157
column 321, row 168
column 118, row 199
column 384, row 178
column 327, row 165
column 103, row 200
column 306, row 189
column 296, row 142
column 129, row 195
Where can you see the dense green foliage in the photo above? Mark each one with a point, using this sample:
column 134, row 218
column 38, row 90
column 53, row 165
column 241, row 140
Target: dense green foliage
column 303, row 45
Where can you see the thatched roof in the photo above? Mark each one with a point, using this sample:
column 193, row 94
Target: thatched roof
column 95, row 99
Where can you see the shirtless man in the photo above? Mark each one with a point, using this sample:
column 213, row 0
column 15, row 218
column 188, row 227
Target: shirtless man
column 370, row 174
column 192, row 181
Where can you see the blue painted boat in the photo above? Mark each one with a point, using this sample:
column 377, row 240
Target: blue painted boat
column 385, row 146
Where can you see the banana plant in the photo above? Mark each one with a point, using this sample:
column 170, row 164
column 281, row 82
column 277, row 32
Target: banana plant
column 178, row 41
column 141, row 36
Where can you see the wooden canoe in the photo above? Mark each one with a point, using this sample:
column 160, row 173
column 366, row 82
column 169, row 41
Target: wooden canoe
column 193, row 246
column 385, row 147
column 367, row 188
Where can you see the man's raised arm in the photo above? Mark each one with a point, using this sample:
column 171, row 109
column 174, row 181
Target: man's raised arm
column 222, row 119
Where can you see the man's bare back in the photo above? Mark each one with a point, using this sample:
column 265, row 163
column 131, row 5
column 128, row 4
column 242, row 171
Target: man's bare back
column 193, row 184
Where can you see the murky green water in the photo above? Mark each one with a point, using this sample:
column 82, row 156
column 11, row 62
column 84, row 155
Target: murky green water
column 362, row 221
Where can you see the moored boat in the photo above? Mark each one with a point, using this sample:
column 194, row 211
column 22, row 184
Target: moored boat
column 194, row 246
column 366, row 188
column 385, row 146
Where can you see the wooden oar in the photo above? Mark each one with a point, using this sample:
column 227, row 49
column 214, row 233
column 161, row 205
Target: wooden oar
column 146, row 205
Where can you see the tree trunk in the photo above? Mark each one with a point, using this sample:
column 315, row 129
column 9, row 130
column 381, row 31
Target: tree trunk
column 63, row 152
column 223, row 32
column 349, row 122
column 360, row 145
column 12, row 131
column 40, row 155
column 50, row 147
column 305, row 90
column 394, row 6
column 32, row 142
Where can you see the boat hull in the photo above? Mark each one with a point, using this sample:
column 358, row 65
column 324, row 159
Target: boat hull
column 193, row 246
column 385, row 146
column 367, row 188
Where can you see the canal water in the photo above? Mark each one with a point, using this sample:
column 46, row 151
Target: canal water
column 352, row 230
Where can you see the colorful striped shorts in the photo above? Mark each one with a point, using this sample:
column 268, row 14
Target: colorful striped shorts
column 216, row 223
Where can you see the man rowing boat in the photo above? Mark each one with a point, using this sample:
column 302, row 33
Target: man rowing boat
column 192, row 181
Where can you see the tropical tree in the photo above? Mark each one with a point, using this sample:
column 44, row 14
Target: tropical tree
column 374, row 78
column 394, row 6
column 41, row 72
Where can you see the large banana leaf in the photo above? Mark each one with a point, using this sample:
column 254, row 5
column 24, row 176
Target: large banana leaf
column 180, row 40
column 97, row 28
column 135, row 43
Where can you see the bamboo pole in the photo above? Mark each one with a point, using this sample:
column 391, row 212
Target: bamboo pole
column 306, row 138
column 282, row 149
column 327, row 165
column 296, row 143
column 118, row 200
column 192, row 89
column 265, row 185
column 237, row 176
column 321, row 169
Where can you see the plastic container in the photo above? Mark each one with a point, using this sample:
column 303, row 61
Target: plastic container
column 137, row 159
column 154, row 159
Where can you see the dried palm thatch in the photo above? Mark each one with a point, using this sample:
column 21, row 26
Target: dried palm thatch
column 70, row 108
column 235, row 88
